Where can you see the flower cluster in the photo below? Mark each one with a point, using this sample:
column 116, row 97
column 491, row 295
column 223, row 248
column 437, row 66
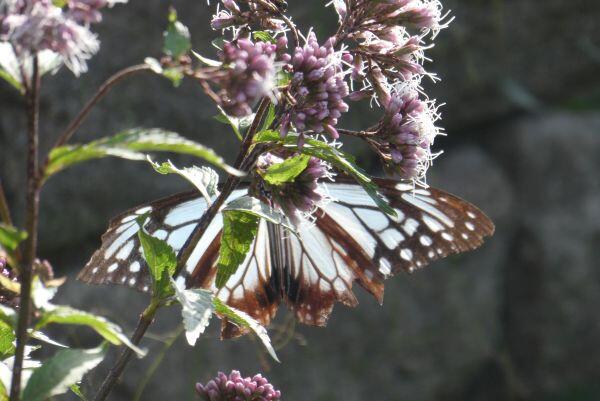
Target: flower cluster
column 249, row 74
column 32, row 26
column 234, row 387
column 264, row 14
column 406, row 133
column 318, row 87
column 295, row 198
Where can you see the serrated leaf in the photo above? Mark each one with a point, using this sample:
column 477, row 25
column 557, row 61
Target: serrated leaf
column 64, row 369
column 267, row 135
column 7, row 338
column 204, row 179
column 239, row 230
column 196, row 310
column 242, row 319
column 11, row 237
column 209, row 62
column 132, row 145
column 108, row 330
column 286, row 171
column 161, row 260
column 263, row 36
column 177, row 37
column 260, row 209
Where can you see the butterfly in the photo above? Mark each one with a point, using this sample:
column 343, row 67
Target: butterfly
column 350, row 240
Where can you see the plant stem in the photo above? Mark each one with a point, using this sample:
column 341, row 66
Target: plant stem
column 100, row 93
column 115, row 372
column 184, row 254
column 31, row 224
column 4, row 209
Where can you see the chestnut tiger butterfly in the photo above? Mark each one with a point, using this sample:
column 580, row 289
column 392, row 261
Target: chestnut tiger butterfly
column 351, row 240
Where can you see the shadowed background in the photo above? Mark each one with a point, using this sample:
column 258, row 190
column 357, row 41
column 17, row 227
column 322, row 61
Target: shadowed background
column 515, row 320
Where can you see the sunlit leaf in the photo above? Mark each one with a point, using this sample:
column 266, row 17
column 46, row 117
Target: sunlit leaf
column 7, row 338
column 60, row 372
column 239, row 230
column 196, row 310
column 161, row 261
column 260, row 209
column 11, row 237
column 132, row 144
column 203, row 178
column 286, row 171
column 108, row 330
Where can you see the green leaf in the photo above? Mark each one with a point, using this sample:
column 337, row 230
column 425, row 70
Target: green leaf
column 161, row 260
column 263, row 36
column 7, row 337
column 64, row 369
column 286, row 171
column 175, row 75
column 13, row 81
column 75, row 389
column 239, row 230
column 236, row 123
column 38, row 335
column 270, row 117
column 267, row 135
column 132, row 144
column 209, row 62
column 196, row 310
column 260, row 209
column 8, row 315
column 177, row 37
column 11, row 237
column 243, row 320
column 108, row 330
column 204, row 179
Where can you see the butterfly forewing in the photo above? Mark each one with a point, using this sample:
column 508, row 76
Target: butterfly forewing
column 350, row 240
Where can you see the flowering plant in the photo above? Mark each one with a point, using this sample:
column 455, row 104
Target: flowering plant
column 281, row 89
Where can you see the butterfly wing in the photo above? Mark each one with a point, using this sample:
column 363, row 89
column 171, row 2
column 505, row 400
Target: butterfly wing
column 120, row 258
column 352, row 240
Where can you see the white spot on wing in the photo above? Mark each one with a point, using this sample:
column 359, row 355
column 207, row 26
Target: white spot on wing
column 125, row 251
column 160, row 234
column 432, row 223
column 385, row 267
column 143, row 210
column 447, row 237
column 112, row 268
column 373, row 219
column 470, row 226
column 425, row 240
column 135, row 267
column 410, row 226
column 406, row 254
column 435, row 212
column 391, row 238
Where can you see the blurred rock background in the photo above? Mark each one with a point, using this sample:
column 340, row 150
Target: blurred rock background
column 515, row 320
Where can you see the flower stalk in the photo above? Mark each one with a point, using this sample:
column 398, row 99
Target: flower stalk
column 32, row 213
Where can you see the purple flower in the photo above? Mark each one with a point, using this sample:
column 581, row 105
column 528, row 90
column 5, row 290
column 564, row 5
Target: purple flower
column 248, row 74
column 318, row 88
column 296, row 198
column 264, row 14
column 406, row 133
column 32, row 26
column 234, row 387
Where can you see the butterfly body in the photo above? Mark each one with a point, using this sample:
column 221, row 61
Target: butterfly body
column 350, row 240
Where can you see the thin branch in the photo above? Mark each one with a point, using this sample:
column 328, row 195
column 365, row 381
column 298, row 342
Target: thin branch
column 31, row 223
column 4, row 208
column 148, row 315
column 100, row 93
column 114, row 374
column 358, row 134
